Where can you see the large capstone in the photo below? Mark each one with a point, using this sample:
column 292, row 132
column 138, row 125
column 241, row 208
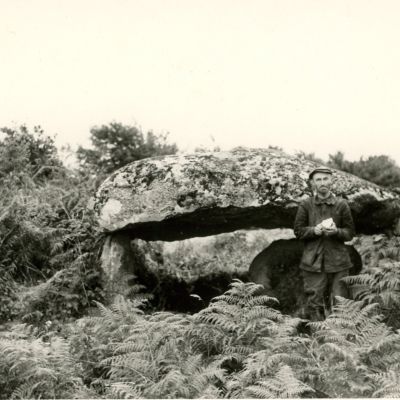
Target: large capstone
column 176, row 197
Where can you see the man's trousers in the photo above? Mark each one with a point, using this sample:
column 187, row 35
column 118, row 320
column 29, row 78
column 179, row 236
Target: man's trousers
column 320, row 289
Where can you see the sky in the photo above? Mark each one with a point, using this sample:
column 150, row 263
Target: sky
column 310, row 75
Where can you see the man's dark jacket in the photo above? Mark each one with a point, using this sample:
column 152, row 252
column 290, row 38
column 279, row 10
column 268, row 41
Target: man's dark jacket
column 327, row 251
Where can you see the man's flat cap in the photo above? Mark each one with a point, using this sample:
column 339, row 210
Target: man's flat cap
column 323, row 170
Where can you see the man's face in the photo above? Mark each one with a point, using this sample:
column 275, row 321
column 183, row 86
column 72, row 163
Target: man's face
column 322, row 183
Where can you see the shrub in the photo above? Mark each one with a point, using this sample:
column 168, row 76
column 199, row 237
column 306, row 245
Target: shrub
column 45, row 228
column 24, row 154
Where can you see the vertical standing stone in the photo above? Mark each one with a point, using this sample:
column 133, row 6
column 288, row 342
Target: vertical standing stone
column 117, row 261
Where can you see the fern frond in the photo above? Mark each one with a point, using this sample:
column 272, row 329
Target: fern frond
column 26, row 390
column 238, row 350
column 387, row 384
column 210, row 392
column 125, row 390
column 131, row 346
column 257, row 313
column 392, row 253
column 332, row 349
column 283, row 385
column 220, row 320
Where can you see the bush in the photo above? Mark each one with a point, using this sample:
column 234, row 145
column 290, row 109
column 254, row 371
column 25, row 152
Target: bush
column 380, row 169
column 24, row 154
column 45, row 228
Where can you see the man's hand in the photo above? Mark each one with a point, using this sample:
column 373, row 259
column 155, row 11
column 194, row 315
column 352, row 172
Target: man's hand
column 318, row 230
column 331, row 231
column 321, row 230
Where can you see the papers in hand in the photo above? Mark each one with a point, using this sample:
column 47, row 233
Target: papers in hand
column 327, row 223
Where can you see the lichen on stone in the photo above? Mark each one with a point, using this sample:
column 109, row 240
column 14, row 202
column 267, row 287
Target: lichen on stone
column 178, row 186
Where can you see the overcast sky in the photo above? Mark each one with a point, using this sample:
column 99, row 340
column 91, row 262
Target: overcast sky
column 312, row 75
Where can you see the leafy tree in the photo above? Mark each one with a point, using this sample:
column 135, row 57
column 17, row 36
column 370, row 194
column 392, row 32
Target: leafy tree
column 115, row 145
column 310, row 157
column 338, row 161
column 381, row 169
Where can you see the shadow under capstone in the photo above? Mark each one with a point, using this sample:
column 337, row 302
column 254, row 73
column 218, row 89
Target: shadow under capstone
column 275, row 267
column 124, row 265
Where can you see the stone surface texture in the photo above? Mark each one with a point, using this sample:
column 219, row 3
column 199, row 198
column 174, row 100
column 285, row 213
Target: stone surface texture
column 181, row 196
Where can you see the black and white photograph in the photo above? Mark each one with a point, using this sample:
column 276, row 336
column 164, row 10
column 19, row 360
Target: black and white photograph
column 199, row 199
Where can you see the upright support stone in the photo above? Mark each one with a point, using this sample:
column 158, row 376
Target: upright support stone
column 117, row 261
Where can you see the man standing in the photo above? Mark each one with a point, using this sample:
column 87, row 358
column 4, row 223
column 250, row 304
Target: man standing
column 324, row 223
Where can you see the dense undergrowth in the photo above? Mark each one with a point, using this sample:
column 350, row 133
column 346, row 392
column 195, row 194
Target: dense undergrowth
column 49, row 248
column 59, row 340
column 239, row 346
